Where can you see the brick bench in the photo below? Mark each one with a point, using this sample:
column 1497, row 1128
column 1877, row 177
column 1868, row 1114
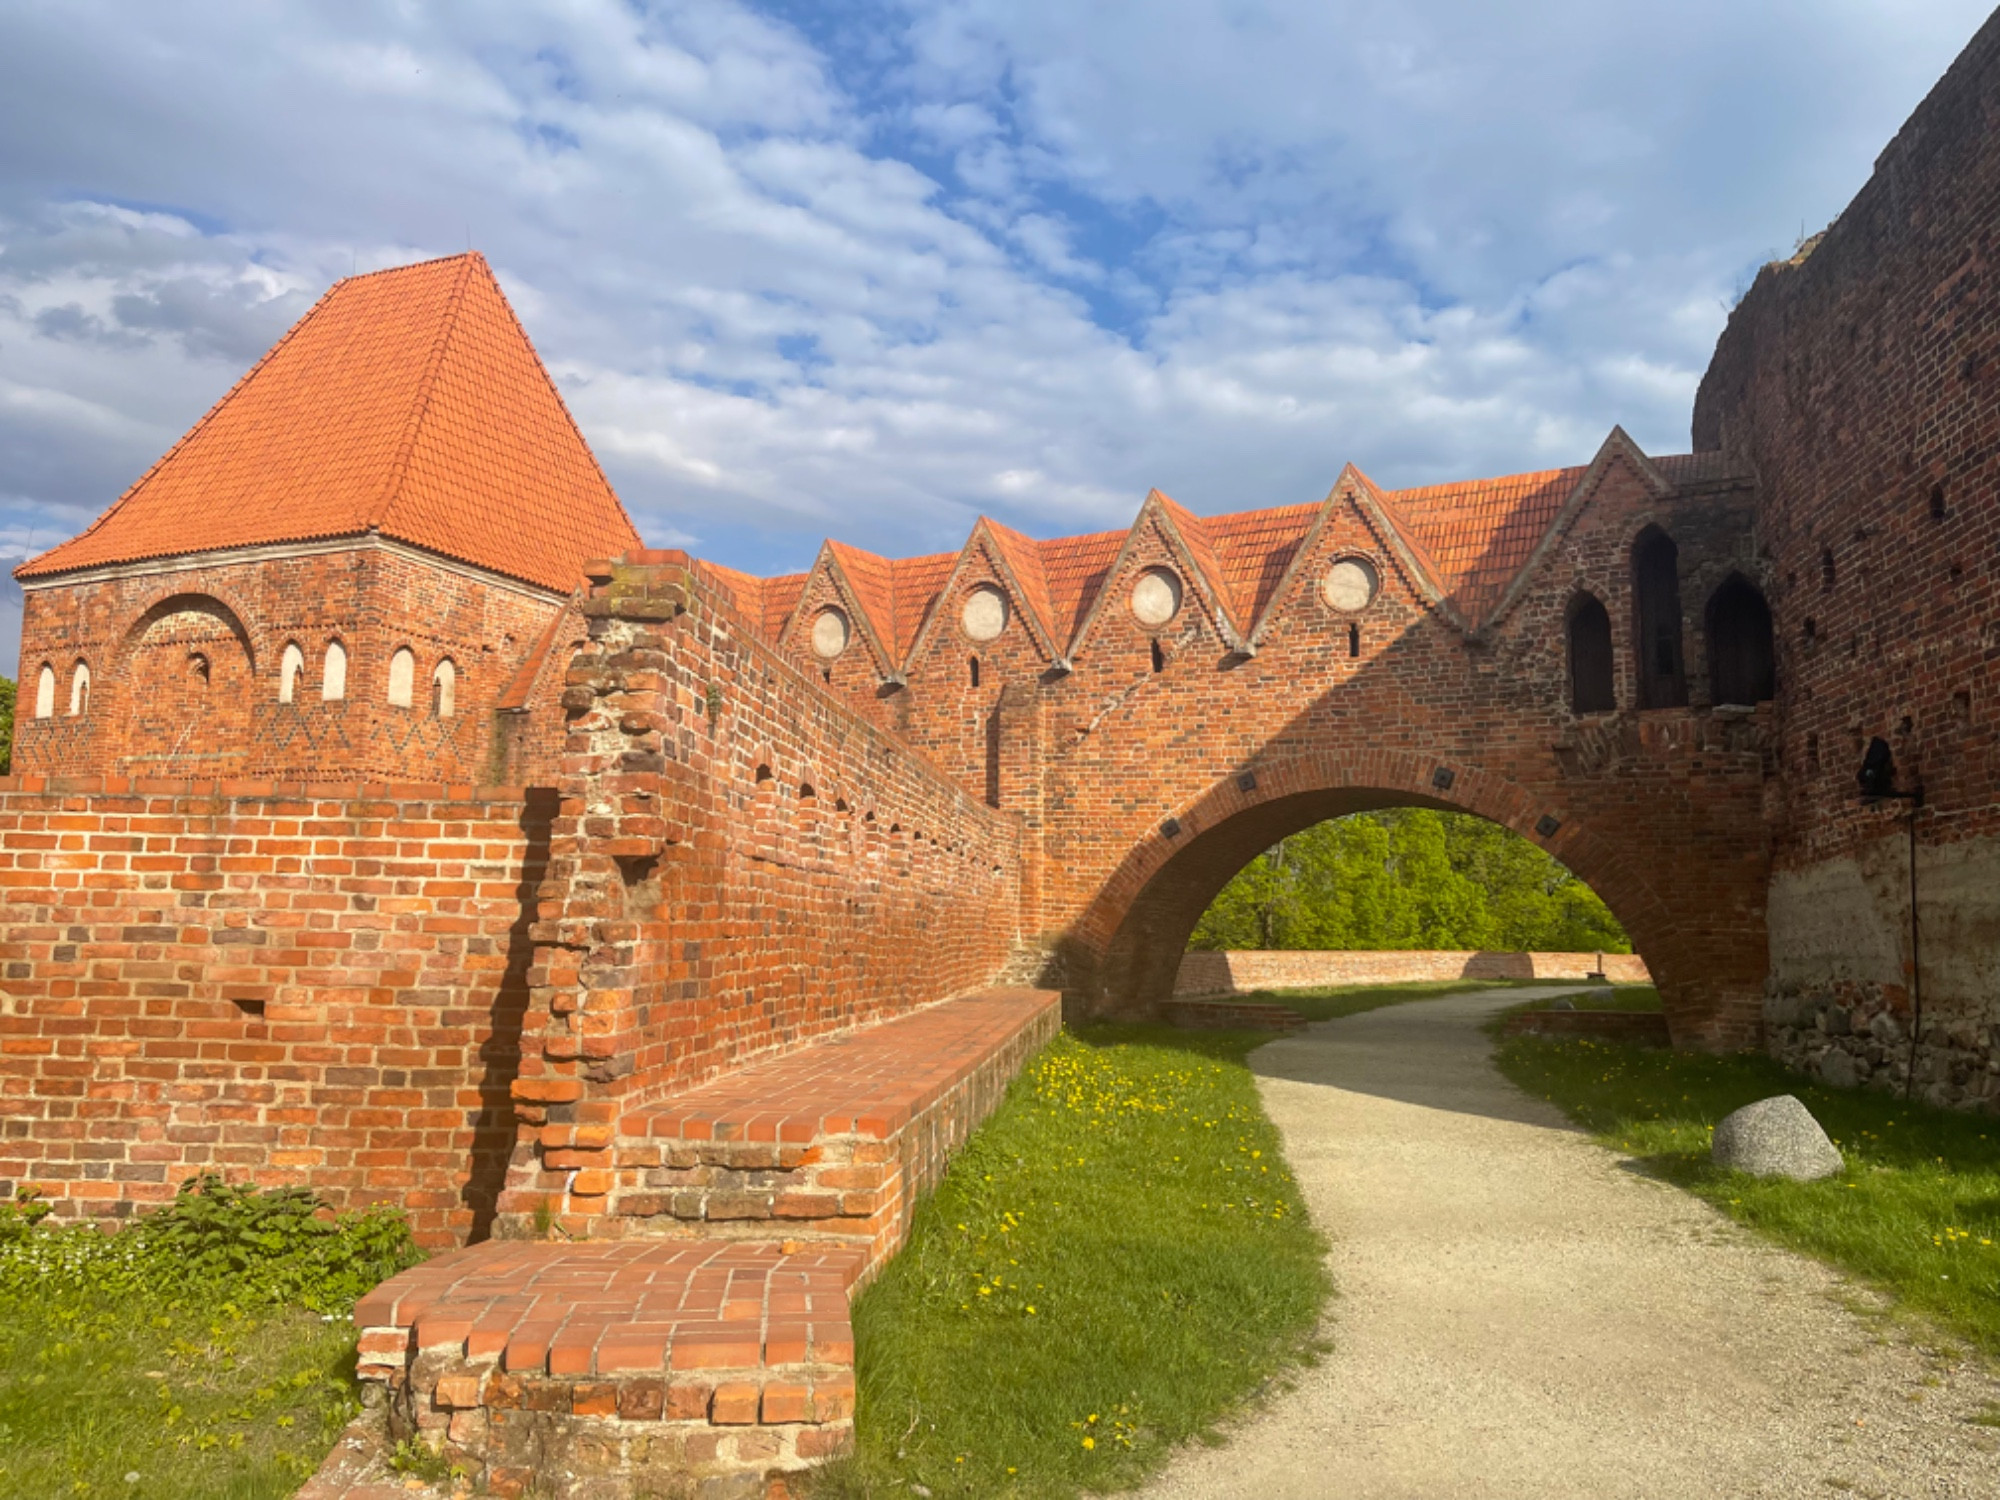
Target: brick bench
column 1232, row 1015
column 832, row 1143
column 642, row 1363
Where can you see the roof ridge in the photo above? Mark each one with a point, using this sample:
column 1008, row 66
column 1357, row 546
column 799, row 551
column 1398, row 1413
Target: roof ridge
column 131, row 490
column 541, row 367
column 399, row 470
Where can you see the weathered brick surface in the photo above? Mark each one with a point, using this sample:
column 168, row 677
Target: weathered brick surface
column 1244, row 970
column 317, row 985
column 741, row 864
column 1861, row 382
column 625, row 1364
column 155, row 710
column 838, row 1140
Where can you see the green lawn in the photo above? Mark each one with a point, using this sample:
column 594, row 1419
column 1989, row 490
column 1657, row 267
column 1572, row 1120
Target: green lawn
column 1917, row 1212
column 196, row 1401
column 1622, row 997
column 1118, row 1259
column 203, row 1353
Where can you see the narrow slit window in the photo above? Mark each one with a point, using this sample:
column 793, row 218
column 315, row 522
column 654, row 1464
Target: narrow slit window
column 1159, row 658
column 1353, row 640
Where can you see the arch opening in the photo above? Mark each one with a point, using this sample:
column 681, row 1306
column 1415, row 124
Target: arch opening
column 291, row 666
column 1742, row 663
column 188, row 680
column 1148, row 919
column 1656, row 591
column 1592, row 685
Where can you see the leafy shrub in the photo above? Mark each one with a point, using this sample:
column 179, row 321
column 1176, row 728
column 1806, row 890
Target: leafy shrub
column 249, row 1246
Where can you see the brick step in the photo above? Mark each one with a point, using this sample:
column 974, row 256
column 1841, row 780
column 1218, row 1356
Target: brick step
column 835, row 1141
column 647, row 1360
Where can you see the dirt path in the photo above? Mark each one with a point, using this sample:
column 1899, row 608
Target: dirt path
column 1522, row 1315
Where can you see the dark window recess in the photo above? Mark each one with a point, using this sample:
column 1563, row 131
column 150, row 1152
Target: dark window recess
column 253, row 1009
column 1937, row 502
column 1657, row 587
column 1590, row 679
column 992, row 753
column 1159, row 658
column 975, row 671
column 1740, row 657
column 1353, row 640
column 1827, row 571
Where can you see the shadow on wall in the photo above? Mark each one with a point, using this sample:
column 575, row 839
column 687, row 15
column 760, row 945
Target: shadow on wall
column 1244, row 971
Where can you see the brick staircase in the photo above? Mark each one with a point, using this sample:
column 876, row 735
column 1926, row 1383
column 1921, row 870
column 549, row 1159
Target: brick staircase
column 701, row 1336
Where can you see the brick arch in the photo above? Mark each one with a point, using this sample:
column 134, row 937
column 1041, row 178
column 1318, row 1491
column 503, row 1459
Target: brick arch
column 1124, row 951
column 175, row 723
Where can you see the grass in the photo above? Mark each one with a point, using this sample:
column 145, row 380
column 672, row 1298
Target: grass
column 203, row 1351
column 198, row 1401
column 1916, row 1212
column 1117, row 1260
column 1332, row 1002
column 1642, row 997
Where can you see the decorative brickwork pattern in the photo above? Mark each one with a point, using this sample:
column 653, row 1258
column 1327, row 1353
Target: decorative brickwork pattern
column 318, row 985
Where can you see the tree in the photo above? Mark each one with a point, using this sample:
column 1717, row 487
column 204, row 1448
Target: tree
column 1409, row 878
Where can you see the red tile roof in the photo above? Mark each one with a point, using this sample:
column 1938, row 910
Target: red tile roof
column 1468, row 540
column 406, row 402
column 1478, row 533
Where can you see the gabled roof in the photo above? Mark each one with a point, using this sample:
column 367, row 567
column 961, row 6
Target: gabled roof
column 407, row 403
column 1468, row 549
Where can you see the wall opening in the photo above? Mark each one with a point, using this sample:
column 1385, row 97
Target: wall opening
column 45, row 692
column 444, row 690
column 1656, row 588
column 1592, row 689
column 1741, row 662
column 291, row 667
column 1159, row 658
column 333, row 676
column 79, row 690
column 402, row 677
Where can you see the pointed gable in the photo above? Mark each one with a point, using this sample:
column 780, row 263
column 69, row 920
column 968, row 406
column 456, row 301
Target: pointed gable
column 1194, row 537
column 1076, row 567
column 1023, row 559
column 1478, row 534
column 406, row 402
column 1256, row 549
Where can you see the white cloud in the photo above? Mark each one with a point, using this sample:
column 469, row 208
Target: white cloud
column 1014, row 255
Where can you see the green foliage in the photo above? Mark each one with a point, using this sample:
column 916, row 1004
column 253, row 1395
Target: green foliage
column 1409, row 878
column 1916, row 1212
column 7, row 691
column 1117, row 1259
column 247, row 1246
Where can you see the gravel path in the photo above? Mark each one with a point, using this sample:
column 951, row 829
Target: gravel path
column 1521, row 1314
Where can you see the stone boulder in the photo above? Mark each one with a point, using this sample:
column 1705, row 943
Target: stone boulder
column 1775, row 1138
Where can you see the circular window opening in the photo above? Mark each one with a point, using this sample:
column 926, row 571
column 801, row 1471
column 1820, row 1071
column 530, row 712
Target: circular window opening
column 985, row 613
column 1156, row 597
column 1350, row 584
column 829, row 635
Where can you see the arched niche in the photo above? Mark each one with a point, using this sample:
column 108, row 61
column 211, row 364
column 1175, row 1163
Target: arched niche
column 1592, row 682
column 188, row 679
column 1742, row 664
column 1656, row 594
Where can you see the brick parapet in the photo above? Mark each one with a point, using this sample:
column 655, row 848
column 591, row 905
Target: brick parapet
column 1206, row 973
column 740, row 864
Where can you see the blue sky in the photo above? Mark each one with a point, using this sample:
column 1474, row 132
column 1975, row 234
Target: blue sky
column 869, row 269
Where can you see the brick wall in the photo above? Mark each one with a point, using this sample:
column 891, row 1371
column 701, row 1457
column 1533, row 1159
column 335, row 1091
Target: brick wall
column 1241, row 971
column 741, row 863
column 1861, row 381
column 185, row 662
column 1142, row 791
column 317, row 985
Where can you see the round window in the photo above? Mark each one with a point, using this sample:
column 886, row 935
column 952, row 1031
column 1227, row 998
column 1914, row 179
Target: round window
column 985, row 613
column 1156, row 597
column 1350, row 584
column 829, row 635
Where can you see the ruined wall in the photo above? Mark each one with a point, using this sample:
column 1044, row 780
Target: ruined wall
column 1861, row 381
column 1241, row 971
column 740, row 863
column 303, row 985
column 185, row 662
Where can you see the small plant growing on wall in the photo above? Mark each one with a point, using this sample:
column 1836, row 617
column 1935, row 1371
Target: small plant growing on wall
column 712, row 699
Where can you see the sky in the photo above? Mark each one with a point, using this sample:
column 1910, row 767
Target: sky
column 872, row 268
